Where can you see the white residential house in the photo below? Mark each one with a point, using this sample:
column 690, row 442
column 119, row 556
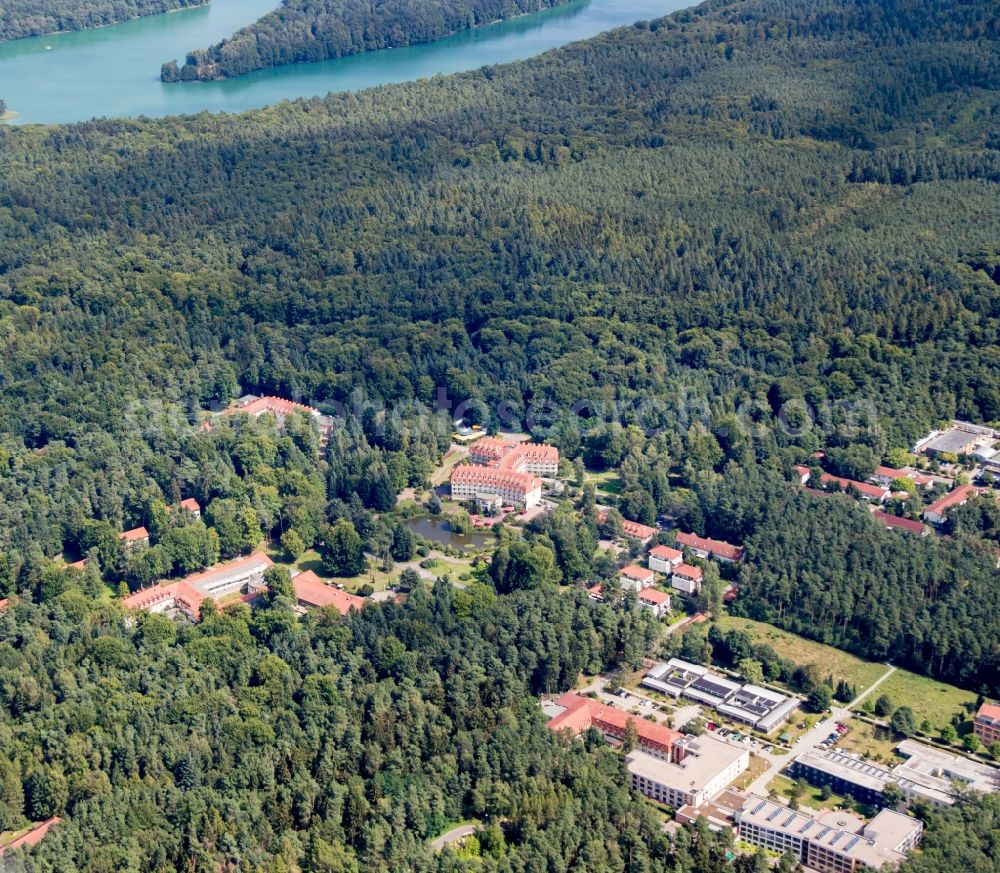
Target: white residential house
column 664, row 559
column 635, row 577
column 656, row 601
column 687, row 578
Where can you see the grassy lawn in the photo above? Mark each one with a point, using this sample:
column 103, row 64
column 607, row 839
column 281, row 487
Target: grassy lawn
column 7, row 838
column 842, row 665
column 605, row 480
column 869, row 741
column 928, row 698
column 757, row 766
column 811, row 797
column 453, row 567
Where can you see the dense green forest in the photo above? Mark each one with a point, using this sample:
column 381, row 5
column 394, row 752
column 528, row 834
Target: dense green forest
column 316, row 30
column 738, row 234
column 20, row 18
column 266, row 743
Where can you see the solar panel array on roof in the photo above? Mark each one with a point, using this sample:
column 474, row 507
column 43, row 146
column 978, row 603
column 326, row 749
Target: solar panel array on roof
column 851, row 844
column 707, row 686
column 789, row 820
column 775, row 813
column 758, row 807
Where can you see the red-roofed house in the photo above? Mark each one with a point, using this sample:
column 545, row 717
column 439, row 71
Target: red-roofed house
column 79, row 565
column 187, row 595
column 4, row 604
column 868, row 492
column 33, row 837
column 280, row 408
column 803, row 474
column 885, row 475
column 313, row 592
column 663, row 559
column 687, row 579
column 580, row 713
column 904, row 524
column 635, row 577
column 136, row 536
column 635, row 531
column 987, row 724
column 657, row 602
column 191, row 505
column 703, row 547
column 937, row 512
column 596, row 592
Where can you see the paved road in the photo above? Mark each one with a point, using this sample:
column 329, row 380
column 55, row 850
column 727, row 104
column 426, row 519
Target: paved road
column 810, row 740
column 454, row 835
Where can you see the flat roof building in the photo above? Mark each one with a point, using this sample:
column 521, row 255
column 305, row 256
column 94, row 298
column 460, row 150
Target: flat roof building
column 832, row 841
column 761, row 708
column 673, row 677
column 927, row 774
column 954, row 441
column 705, row 768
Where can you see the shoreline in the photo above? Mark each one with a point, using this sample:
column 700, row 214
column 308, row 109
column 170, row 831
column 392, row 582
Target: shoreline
column 200, row 5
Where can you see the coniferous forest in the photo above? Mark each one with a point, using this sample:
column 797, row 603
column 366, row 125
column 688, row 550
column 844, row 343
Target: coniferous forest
column 20, row 18
column 317, row 30
column 722, row 235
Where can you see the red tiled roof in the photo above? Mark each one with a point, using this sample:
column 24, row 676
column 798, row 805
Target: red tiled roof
column 891, row 473
column 4, row 604
column 582, row 712
column 134, row 535
column 191, row 505
column 990, row 710
column 802, row 470
column 715, row 547
column 922, row 479
column 894, row 521
column 952, row 498
column 491, row 448
column 524, row 452
column 596, row 590
column 637, row 531
column 489, row 477
column 876, row 491
column 688, row 571
column 665, row 553
column 34, row 836
column 79, row 565
column 312, row 591
column 635, row 572
column 276, row 406
column 654, row 596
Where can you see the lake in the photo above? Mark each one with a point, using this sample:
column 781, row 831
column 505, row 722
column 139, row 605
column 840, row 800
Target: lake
column 114, row 71
column 437, row 531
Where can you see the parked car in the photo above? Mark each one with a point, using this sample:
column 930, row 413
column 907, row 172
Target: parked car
column 841, row 729
column 710, row 726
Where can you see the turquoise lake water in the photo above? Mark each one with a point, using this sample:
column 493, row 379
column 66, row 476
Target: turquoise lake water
column 114, row 71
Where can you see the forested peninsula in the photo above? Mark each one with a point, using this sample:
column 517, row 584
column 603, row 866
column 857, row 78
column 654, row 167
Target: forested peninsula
column 21, row 18
column 661, row 250
column 317, row 30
